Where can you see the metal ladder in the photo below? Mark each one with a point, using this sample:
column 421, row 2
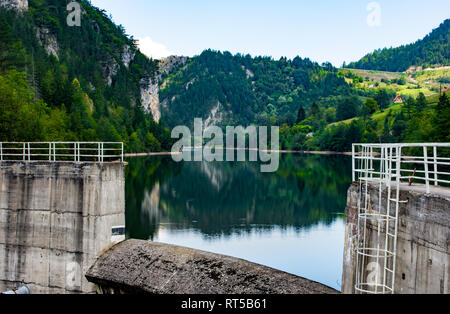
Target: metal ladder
column 376, row 244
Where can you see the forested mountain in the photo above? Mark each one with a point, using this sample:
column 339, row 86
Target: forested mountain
column 60, row 82
column 316, row 106
column 228, row 89
column 434, row 49
column 88, row 83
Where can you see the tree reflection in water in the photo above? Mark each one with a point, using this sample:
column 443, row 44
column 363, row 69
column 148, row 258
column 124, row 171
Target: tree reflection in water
column 222, row 199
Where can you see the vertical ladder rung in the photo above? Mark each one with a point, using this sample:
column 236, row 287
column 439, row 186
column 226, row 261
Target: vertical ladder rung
column 394, row 200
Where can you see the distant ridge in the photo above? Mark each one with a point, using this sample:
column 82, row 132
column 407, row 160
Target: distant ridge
column 433, row 49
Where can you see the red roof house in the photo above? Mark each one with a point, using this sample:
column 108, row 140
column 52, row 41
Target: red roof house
column 398, row 99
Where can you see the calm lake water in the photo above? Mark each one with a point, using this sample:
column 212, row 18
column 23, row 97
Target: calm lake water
column 292, row 220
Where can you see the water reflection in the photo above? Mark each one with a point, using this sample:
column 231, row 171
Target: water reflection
column 291, row 219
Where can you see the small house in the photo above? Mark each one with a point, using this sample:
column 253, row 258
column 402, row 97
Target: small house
column 398, row 100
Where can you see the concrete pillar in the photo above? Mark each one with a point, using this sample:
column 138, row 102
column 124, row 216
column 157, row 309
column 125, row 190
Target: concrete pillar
column 55, row 219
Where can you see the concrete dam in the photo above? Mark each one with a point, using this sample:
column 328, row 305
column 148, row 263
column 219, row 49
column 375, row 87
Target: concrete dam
column 62, row 223
column 57, row 231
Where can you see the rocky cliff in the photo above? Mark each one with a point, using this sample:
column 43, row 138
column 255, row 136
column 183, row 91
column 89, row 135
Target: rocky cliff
column 15, row 4
column 149, row 91
column 150, row 88
column 150, row 97
column 48, row 41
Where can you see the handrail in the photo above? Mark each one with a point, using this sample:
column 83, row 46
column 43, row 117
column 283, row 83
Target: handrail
column 62, row 151
column 366, row 161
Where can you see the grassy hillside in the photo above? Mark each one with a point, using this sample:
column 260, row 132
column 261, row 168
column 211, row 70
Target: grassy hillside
column 380, row 115
column 407, row 84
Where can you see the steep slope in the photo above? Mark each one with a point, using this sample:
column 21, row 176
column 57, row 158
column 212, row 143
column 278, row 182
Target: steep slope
column 224, row 89
column 90, row 82
column 434, row 49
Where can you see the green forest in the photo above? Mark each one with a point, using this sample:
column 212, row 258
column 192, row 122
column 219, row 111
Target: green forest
column 65, row 96
column 249, row 90
column 316, row 106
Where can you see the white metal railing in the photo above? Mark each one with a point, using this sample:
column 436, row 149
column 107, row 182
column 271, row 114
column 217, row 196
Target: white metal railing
column 429, row 165
column 62, row 151
column 386, row 166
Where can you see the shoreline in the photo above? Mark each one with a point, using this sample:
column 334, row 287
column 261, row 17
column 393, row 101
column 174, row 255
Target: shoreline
column 128, row 155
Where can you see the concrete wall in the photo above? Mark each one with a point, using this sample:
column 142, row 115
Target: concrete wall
column 55, row 218
column 423, row 258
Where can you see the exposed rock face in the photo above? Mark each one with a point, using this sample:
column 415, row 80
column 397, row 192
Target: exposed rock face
column 48, row 41
column 127, row 56
column 15, row 4
column 215, row 116
column 111, row 66
column 144, row 267
column 110, row 69
column 150, row 88
column 150, row 98
column 171, row 62
column 248, row 73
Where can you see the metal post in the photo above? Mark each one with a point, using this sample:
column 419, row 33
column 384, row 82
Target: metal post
column 435, row 166
column 75, row 152
column 122, row 160
column 397, row 209
column 427, row 174
column 29, row 153
column 353, row 162
column 1, row 151
column 49, row 151
column 23, row 153
column 371, row 163
column 102, row 152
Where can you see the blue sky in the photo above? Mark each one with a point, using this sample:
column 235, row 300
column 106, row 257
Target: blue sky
column 322, row 30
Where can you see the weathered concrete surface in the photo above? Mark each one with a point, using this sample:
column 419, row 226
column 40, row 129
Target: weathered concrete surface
column 55, row 217
column 136, row 266
column 423, row 260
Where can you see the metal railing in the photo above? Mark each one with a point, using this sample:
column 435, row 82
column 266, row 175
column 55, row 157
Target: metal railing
column 385, row 166
column 62, row 151
column 427, row 163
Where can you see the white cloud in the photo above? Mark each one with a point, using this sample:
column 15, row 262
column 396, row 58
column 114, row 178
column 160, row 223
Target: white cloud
column 153, row 49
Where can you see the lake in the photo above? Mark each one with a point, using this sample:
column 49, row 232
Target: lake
column 292, row 220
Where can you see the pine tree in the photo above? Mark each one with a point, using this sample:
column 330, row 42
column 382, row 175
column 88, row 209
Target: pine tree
column 301, row 115
column 12, row 54
column 421, row 102
column 442, row 120
column 314, row 110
